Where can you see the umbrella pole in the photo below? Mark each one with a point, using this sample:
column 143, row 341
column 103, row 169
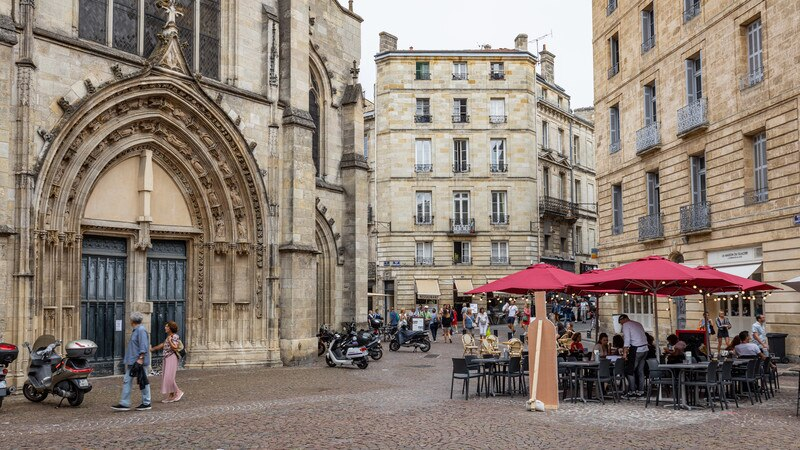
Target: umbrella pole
column 655, row 318
column 708, row 324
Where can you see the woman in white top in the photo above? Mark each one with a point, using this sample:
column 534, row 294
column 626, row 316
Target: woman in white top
column 483, row 322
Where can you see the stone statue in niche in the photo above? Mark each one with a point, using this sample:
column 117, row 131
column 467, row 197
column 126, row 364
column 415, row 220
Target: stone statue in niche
column 241, row 230
column 198, row 167
column 212, row 198
column 223, row 167
column 220, row 226
column 236, row 199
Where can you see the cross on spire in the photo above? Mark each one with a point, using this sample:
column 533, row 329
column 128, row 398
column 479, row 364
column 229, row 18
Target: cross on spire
column 171, row 7
column 354, row 71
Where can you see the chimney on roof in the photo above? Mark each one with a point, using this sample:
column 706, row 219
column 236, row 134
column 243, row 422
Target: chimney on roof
column 521, row 42
column 388, row 42
column 547, row 60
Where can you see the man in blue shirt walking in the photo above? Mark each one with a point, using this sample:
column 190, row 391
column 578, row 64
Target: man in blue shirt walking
column 137, row 356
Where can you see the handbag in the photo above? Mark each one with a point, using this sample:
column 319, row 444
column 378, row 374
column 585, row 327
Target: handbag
column 180, row 351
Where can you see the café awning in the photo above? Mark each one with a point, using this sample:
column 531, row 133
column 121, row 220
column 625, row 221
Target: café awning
column 462, row 286
column 427, row 289
column 794, row 283
column 744, row 270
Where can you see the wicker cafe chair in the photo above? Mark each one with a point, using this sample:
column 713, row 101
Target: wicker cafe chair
column 469, row 344
column 490, row 346
column 514, row 348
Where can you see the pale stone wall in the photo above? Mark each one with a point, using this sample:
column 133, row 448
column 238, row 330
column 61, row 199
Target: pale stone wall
column 734, row 115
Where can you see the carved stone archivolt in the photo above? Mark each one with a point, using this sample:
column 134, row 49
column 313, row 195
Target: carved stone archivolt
column 325, row 226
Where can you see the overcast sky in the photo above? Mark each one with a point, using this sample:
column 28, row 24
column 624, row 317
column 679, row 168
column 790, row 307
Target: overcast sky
column 466, row 24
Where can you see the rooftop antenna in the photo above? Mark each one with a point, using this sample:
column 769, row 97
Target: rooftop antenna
column 541, row 38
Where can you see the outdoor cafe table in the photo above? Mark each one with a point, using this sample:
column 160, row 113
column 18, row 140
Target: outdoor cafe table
column 490, row 368
column 681, row 368
column 577, row 366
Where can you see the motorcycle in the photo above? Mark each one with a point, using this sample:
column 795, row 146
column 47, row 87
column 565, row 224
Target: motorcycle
column 406, row 338
column 344, row 350
column 49, row 373
column 324, row 338
column 369, row 339
column 8, row 353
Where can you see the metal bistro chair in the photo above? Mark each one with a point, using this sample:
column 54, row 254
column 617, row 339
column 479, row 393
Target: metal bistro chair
column 658, row 378
column 565, row 379
column 767, row 383
column 515, row 376
column 462, row 372
column 602, row 375
column 726, row 383
column 748, row 381
column 710, row 384
column 619, row 374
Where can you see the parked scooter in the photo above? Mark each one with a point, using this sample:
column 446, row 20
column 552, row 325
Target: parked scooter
column 406, row 338
column 344, row 350
column 369, row 339
column 8, row 353
column 48, row 373
column 324, row 338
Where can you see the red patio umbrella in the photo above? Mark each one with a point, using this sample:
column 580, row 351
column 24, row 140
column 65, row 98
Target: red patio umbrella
column 538, row 277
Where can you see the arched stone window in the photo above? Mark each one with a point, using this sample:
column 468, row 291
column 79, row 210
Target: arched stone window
column 315, row 111
column 198, row 27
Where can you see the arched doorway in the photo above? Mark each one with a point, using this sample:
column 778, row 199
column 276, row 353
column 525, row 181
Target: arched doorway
column 326, row 263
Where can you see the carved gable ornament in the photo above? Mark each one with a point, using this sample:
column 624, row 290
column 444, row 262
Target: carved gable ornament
column 168, row 54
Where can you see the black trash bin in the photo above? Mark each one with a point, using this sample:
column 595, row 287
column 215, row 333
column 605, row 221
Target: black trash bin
column 777, row 346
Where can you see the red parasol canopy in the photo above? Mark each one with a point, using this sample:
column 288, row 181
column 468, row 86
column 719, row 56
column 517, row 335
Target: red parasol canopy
column 745, row 284
column 539, row 277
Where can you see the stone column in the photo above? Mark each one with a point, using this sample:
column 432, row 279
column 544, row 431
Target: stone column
column 297, row 311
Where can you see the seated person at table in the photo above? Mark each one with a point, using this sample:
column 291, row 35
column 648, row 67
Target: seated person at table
column 651, row 346
column 617, row 344
column 602, row 345
column 747, row 349
column 734, row 342
column 569, row 331
column 675, row 350
column 576, row 346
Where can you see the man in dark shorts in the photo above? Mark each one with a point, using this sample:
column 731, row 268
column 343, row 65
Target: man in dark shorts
column 510, row 308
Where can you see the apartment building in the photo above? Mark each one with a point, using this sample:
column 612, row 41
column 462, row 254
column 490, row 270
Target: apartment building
column 697, row 154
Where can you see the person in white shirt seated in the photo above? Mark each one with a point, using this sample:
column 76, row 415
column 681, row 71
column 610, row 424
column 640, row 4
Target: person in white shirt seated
column 747, row 349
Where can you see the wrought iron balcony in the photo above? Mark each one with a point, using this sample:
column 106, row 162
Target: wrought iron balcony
column 498, row 119
column 423, row 260
column 499, row 219
column 423, row 168
column 500, row 260
column 614, row 146
column 693, row 116
column 752, row 78
column 691, row 12
column 613, row 70
column 423, row 118
column 460, row 118
column 460, row 76
column 462, row 226
column 695, row 217
column 651, row 227
column 497, row 75
column 423, row 75
column 462, row 259
column 498, row 168
column 756, row 196
column 460, row 168
column 612, row 6
column 648, row 138
column 648, row 44
column 423, row 219
column 557, row 207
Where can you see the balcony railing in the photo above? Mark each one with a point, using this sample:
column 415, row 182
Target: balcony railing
column 612, row 6
column 424, row 219
column 460, row 168
column 752, row 78
column 693, row 116
column 648, row 138
column 498, row 168
column 423, row 118
column 423, row 168
column 614, row 146
column 460, row 118
column 648, row 44
column 460, row 76
column 499, row 219
column 461, row 226
column 695, row 217
column 651, row 227
column 498, row 119
column 613, row 70
column 691, row 12
column 423, row 75
column 497, row 75
column 423, row 260
column 556, row 206
column 756, row 196
column 462, row 260
column 500, row 260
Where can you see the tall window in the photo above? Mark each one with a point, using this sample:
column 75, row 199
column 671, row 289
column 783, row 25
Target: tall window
column 616, row 206
column 462, row 253
column 209, row 39
column 650, row 104
column 499, row 252
column 499, row 208
column 698, row 169
column 423, row 111
column 545, row 135
column 578, row 198
column 461, row 208
column 498, row 155
column 760, row 166
column 497, row 110
column 460, row 110
column 125, row 25
column 423, row 155
column 424, row 254
column 590, row 194
column 424, row 200
column 576, row 149
column 648, row 28
column 614, row 135
column 93, row 16
column 563, row 245
column 613, row 47
column 560, row 141
column 314, row 110
column 653, row 194
column 460, row 71
column 560, row 185
column 579, row 240
column 460, row 155
column 366, row 145
column 755, row 62
column 546, row 181
column 694, row 79
column 497, row 71
column 691, row 8
column 423, row 71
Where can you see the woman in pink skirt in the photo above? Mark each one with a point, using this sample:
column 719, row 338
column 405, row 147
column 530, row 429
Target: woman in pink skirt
column 170, row 347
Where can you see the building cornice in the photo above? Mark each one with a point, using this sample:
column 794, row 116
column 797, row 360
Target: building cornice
column 483, row 54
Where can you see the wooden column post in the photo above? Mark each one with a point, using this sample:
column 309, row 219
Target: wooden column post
column 542, row 358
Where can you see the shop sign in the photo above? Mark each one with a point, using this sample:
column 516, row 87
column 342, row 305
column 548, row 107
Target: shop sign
column 734, row 256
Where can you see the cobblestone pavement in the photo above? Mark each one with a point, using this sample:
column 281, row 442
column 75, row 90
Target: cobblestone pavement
column 401, row 401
